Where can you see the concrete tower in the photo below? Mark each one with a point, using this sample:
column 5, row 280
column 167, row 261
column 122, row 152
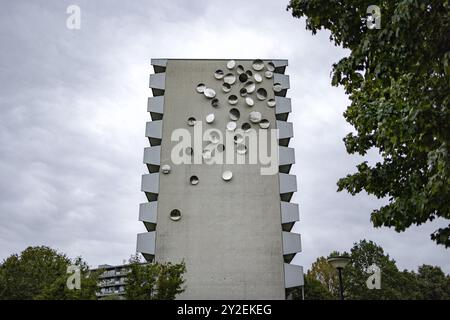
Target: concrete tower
column 229, row 220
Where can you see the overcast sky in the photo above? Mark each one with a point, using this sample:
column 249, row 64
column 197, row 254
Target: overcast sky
column 73, row 113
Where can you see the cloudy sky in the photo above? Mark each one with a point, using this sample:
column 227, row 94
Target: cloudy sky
column 73, row 113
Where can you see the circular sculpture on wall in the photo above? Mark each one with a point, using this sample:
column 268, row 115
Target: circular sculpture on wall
column 214, row 136
column 191, row 121
column 229, row 78
column 264, row 124
column 232, row 99
column 243, row 77
column 165, row 169
column 246, row 126
column 193, row 180
column 234, row 114
column 261, row 94
column 231, row 126
column 231, row 64
column 241, row 148
column 215, row 103
column 258, row 78
column 258, row 65
column 268, row 74
column 238, row 138
column 255, row 116
column 226, row 87
column 240, row 69
column 210, row 118
column 243, row 92
column 270, row 67
column 249, row 73
column 227, row 175
column 277, row 87
column 218, row 74
column 207, row 154
column 209, row 93
column 249, row 101
column 250, row 86
column 201, row 87
column 175, row 215
column 271, row 103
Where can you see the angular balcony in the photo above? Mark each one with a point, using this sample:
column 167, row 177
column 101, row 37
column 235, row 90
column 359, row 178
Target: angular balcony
column 286, row 159
column 148, row 214
column 288, row 185
column 293, row 276
column 155, row 105
column 291, row 245
column 159, row 65
column 158, row 83
column 283, row 81
column 289, row 215
column 285, row 132
column 152, row 158
column 282, row 108
column 153, row 131
column 150, row 185
column 280, row 65
column 146, row 243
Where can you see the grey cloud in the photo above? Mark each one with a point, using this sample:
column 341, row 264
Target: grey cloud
column 73, row 112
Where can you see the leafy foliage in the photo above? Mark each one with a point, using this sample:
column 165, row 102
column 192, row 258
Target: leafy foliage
column 24, row 276
column 321, row 280
column 58, row 290
column 154, row 281
column 398, row 81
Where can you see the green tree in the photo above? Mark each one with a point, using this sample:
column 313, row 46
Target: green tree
column 433, row 284
column 325, row 274
column 154, row 281
column 398, row 80
column 24, row 276
column 363, row 255
column 41, row 273
column 313, row 290
column 58, row 290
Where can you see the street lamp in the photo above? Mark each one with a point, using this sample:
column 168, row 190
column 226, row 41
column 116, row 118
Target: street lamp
column 339, row 263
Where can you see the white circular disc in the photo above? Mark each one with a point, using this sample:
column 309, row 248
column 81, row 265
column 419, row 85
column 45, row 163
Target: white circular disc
column 165, row 169
column 231, row 64
column 200, row 88
column 218, row 74
column 258, row 65
column 249, row 101
column 210, row 118
column 250, row 86
column 209, row 93
column 258, row 78
column 264, row 124
column 229, row 78
column 271, row 103
column 255, row 116
column 232, row 99
column 227, row 175
column 231, row 126
column 226, row 87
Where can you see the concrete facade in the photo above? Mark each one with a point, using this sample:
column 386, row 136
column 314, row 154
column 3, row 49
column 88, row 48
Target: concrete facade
column 234, row 236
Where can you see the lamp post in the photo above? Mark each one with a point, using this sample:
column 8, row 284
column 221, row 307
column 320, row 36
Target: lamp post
column 339, row 263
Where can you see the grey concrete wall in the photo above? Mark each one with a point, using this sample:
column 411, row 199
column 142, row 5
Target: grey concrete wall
column 230, row 232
